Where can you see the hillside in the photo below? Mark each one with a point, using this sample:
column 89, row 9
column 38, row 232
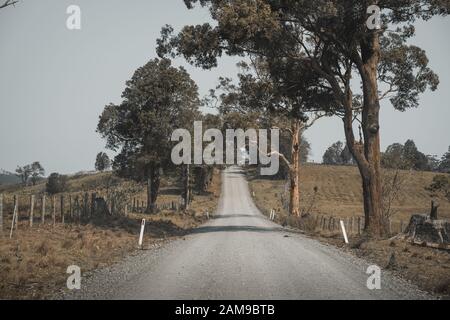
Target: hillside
column 8, row 178
column 340, row 193
column 33, row 263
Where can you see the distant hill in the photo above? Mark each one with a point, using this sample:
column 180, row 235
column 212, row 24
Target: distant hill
column 8, row 178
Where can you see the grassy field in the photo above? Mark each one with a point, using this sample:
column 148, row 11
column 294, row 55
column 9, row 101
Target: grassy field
column 339, row 194
column 33, row 263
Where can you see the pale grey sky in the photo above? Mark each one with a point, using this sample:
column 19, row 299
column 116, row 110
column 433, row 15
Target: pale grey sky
column 55, row 82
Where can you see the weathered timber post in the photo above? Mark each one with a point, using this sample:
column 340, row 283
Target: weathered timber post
column 186, row 195
column 62, row 208
column 77, row 207
column 16, row 201
column 43, row 209
column 70, row 207
column 359, row 226
column 54, row 210
column 350, row 227
column 86, row 205
column 14, row 218
column 31, row 210
column 93, row 196
column 434, row 210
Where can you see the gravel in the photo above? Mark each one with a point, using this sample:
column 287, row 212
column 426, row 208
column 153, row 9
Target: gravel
column 240, row 254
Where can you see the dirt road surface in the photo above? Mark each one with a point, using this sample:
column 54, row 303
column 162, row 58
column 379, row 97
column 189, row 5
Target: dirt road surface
column 240, row 254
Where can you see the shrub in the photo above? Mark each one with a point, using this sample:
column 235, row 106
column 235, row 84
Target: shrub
column 56, row 183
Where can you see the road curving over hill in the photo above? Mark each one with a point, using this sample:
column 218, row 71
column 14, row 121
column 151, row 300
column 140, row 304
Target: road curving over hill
column 240, row 254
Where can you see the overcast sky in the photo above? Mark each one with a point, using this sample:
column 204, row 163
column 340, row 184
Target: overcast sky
column 54, row 82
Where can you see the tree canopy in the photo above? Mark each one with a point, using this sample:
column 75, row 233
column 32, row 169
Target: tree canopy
column 158, row 99
column 332, row 40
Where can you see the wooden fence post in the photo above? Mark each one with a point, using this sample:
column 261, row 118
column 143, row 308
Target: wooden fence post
column 62, row 208
column 1, row 215
column 359, row 226
column 54, row 210
column 70, row 207
column 93, row 196
column 31, row 210
column 14, row 218
column 43, row 209
column 77, row 208
column 16, row 201
column 86, row 204
column 350, row 227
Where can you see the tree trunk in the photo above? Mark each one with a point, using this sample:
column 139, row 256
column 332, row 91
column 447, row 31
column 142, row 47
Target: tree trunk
column 153, row 182
column 186, row 187
column 294, row 203
column 367, row 154
column 376, row 223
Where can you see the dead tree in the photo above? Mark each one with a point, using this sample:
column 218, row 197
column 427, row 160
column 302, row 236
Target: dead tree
column 434, row 210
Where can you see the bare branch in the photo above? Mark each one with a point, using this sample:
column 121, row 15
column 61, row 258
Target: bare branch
column 8, row 3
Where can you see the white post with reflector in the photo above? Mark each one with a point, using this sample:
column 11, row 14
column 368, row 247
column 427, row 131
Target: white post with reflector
column 141, row 235
column 344, row 232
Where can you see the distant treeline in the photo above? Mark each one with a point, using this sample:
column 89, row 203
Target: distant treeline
column 397, row 156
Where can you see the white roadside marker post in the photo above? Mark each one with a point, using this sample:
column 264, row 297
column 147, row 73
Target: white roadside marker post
column 207, row 214
column 141, row 235
column 344, row 232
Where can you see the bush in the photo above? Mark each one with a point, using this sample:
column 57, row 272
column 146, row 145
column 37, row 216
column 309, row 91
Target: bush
column 56, row 183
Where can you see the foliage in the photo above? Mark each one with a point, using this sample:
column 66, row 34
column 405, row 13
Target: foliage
column 158, row 99
column 330, row 40
column 337, row 154
column 444, row 165
column 56, row 183
column 406, row 157
column 102, row 162
column 440, row 186
column 32, row 172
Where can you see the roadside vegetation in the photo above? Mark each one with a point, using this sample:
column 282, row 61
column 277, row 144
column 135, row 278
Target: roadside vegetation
column 335, row 191
column 33, row 263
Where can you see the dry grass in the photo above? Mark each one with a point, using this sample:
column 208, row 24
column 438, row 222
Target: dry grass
column 340, row 195
column 33, row 263
column 340, row 192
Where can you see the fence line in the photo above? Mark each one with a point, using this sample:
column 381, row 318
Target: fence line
column 71, row 208
column 354, row 225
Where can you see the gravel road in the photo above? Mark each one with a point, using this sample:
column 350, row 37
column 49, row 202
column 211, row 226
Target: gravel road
column 240, row 254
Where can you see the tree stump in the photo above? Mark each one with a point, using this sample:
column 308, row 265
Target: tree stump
column 425, row 230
